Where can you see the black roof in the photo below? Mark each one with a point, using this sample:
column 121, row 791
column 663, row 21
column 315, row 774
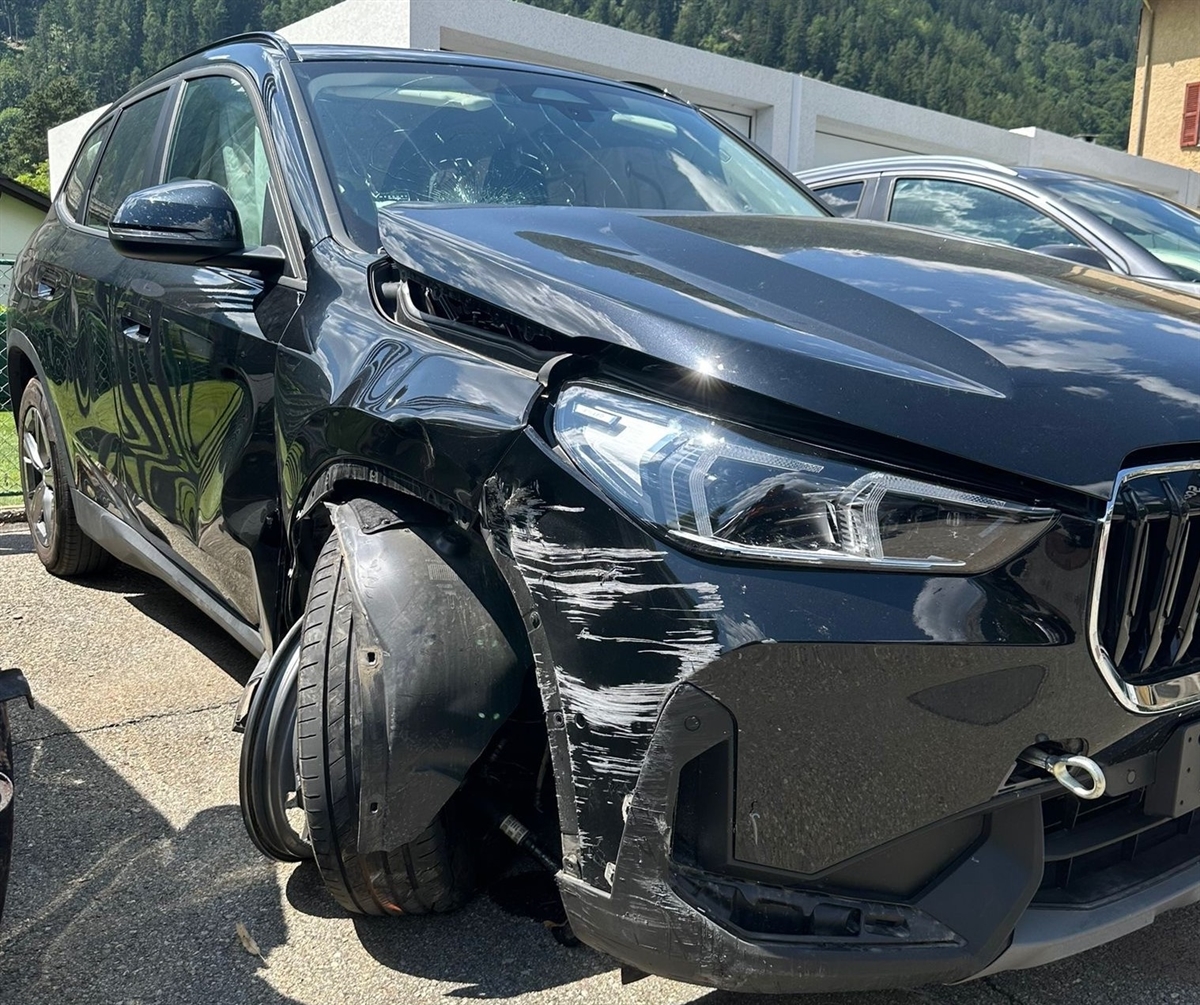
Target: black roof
column 312, row 52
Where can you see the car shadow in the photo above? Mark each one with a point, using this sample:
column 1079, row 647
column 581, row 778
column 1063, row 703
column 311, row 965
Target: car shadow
column 15, row 539
column 496, row 947
column 109, row 902
column 180, row 617
column 156, row 601
column 492, row 948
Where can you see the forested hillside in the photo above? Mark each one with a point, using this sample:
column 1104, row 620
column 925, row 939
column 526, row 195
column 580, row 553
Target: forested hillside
column 61, row 57
column 1065, row 65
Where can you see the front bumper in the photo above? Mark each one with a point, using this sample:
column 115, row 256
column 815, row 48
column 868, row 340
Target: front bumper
column 1002, row 901
column 782, row 780
column 1044, row 935
column 658, row 918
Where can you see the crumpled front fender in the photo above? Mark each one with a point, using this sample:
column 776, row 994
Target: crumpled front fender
column 441, row 656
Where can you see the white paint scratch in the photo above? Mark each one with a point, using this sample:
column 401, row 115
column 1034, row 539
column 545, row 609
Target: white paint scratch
column 616, row 708
column 693, row 649
column 591, row 587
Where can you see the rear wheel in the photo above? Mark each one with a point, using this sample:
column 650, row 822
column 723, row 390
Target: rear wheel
column 433, row 873
column 63, row 547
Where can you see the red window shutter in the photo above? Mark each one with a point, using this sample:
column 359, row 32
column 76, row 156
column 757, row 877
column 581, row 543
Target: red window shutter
column 1189, row 136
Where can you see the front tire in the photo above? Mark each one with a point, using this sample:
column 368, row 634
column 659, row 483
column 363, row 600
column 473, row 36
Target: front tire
column 61, row 544
column 433, row 873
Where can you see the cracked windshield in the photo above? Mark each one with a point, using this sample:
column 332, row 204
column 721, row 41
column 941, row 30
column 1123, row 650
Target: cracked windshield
column 517, row 138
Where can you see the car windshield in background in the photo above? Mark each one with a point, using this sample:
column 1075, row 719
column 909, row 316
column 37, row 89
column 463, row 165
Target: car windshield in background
column 1169, row 232
column 405, row 133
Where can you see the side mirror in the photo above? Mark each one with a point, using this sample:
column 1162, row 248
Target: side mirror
column 186, row 223
column 1075, row 253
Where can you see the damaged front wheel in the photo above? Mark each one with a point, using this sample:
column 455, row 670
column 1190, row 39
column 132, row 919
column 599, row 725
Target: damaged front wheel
column 432, row 873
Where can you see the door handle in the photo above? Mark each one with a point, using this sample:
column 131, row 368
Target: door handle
column 136, row 330
column 47, row 282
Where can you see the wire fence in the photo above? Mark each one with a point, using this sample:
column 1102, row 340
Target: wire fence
column 10, row 471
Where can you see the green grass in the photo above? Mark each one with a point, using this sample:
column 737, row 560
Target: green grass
column 10, row 473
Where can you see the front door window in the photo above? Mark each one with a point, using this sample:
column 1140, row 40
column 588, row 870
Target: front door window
column 967, row 210
column 126, row 159
column 217, row 139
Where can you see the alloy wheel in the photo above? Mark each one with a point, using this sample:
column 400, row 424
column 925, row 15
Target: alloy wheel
column 37, row 476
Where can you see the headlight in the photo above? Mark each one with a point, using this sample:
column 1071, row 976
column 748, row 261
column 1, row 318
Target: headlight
column 730, row 490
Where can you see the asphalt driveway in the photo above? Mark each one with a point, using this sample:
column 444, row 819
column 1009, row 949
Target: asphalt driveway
column 132, row 870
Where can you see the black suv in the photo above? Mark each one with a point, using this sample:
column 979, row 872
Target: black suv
column 817, row 598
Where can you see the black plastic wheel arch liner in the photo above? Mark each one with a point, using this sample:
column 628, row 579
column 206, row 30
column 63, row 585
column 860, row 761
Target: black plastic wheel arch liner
column 441, row 656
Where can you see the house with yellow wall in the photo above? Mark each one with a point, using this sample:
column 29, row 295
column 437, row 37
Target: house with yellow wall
column 21, row 210
column 1165, row 125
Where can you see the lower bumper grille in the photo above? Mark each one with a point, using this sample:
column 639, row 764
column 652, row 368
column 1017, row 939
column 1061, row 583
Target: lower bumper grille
column 1097, row 851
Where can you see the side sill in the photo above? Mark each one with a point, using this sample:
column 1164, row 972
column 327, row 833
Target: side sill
column 127, row 545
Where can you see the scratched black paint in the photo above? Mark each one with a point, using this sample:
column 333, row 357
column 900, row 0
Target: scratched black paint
column 217, row 410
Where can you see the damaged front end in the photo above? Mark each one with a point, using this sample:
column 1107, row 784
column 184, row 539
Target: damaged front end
column 780, row 777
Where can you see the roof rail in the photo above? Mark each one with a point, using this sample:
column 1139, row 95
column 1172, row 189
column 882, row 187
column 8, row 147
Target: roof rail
column 266, row 37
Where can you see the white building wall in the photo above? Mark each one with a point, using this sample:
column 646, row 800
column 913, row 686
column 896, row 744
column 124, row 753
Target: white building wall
column 358, row 22
column 802, row 122
column 64, row 140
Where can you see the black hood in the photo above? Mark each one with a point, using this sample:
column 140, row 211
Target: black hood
column 1021, row 362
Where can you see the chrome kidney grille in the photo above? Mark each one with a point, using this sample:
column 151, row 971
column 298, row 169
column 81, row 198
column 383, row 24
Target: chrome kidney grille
column 1145, row 619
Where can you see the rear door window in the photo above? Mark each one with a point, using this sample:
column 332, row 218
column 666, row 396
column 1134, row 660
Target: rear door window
column 967, row 210
column 843, row 199
column 73, row 189
column 126, row 159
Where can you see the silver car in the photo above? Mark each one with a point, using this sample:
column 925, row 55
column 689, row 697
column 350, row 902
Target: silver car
column 1088, row 220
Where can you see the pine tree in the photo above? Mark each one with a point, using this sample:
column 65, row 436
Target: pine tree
column 1065, row 65
column 1059, row 64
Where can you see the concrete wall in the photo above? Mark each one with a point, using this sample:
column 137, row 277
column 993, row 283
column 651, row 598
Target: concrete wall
column 64, row 140
column 802, row 122
column 1168, row 60
column 18, row 220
